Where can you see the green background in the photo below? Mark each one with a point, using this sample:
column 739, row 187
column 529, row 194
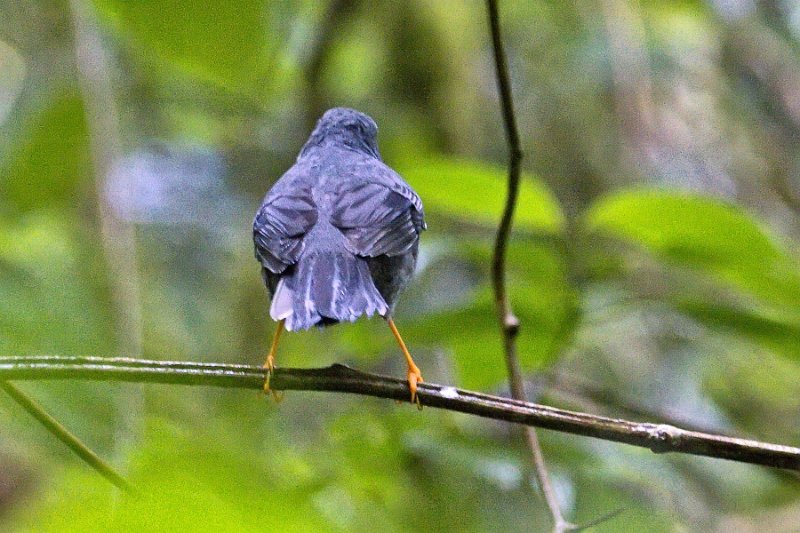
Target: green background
column 654, row 261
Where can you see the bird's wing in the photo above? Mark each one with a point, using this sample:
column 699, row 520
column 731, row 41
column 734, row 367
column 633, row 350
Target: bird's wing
column 378, row 218
column 279, row 227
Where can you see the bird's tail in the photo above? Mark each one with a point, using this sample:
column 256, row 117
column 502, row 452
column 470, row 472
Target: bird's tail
column 325, row 288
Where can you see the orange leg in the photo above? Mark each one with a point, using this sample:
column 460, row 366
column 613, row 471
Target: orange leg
column 269, row 364
column 414, row 375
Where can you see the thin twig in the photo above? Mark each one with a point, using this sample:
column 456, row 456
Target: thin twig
column 64, row 435
column 509, row 323
column 660, row 438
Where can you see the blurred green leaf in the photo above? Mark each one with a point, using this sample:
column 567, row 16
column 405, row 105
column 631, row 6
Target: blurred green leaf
column 225, row 43
column 705, row 234
column 476, row 192
column 51, row 162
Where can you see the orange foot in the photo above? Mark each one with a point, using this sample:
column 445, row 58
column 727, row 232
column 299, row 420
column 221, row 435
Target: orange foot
column 270, row 366
column 414, row 377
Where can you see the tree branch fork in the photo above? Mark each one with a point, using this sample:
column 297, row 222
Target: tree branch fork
column 659, row 438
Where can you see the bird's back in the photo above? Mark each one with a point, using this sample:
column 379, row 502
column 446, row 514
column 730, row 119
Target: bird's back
column 337, row 237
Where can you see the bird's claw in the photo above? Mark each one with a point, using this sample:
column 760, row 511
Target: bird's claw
column 270, row 366
column 414, row 377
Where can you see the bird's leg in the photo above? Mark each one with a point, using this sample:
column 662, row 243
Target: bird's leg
column 414, row 375
column 269, row 364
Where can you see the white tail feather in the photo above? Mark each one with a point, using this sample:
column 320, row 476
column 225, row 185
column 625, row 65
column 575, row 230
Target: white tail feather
column 281, row 307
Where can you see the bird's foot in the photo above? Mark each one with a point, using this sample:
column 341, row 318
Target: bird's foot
column 270, row 366
column 414, row 377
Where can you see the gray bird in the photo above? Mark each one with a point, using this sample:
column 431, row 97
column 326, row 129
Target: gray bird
column 338, row 233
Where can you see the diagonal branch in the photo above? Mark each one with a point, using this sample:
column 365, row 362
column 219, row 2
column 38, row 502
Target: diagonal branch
column 64, row 435
column 509, row 324
column 660, row 438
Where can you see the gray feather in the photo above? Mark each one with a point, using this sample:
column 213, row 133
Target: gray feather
column 279, row 227
column 327, row 287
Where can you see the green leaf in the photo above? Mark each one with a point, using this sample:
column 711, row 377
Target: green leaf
column 225, row 43
column 476, row 192
column 51, row 162
column 704, row 234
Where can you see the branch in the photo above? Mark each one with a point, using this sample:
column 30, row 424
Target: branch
column 509, row 324
column 660, row 438
column 65, row 436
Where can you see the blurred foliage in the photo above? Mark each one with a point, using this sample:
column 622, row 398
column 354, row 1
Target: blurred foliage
column 53, row 153
column 654, row 263
column 450, row 187
column 707, row 235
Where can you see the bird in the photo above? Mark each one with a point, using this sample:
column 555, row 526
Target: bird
column 337, row 235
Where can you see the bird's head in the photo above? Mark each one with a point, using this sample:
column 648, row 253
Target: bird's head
column 347, row 127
